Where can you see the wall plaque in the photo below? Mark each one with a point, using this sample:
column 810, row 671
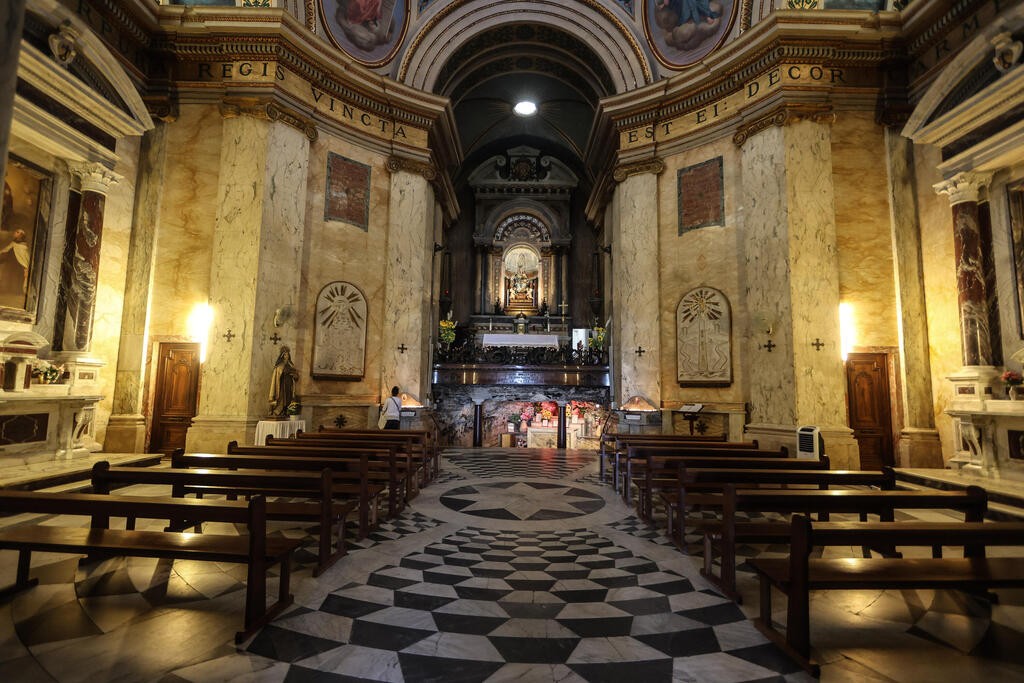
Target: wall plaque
column 347, row 197
column 704, row 338
column 28, row 428
column 701, row 196
column 339, row 338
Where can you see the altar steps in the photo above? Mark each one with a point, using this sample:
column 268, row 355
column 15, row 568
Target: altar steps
column 73, row 474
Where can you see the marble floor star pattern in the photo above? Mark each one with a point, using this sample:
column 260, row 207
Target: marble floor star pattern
column 512, row 566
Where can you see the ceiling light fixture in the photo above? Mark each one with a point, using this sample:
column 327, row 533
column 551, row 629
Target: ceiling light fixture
column 525, row 108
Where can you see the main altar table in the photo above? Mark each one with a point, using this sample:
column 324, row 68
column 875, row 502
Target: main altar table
column 497, row 339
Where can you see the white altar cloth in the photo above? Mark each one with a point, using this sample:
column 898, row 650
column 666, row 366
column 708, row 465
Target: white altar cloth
column 279, row 429
column 496, row 339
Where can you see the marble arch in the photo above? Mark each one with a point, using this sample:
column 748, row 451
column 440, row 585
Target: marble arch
column 618, row 48
column 490, row 225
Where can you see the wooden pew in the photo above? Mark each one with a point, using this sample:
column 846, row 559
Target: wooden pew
column 660, row 455
column 400, row 469
column 729, row 532
column 325, row 510
column 257, row 551
column 427, row 441
column 799, row 574
column 404, row 450
column 704, row 485
column 294, row 477
column 619, row 442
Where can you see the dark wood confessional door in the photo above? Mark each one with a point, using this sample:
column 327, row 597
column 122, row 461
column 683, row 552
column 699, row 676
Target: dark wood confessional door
column 867, row 387
column 177, row 388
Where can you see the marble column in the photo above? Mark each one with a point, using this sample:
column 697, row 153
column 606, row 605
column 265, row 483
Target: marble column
column 918, row 444
column 407, row 292
column 257, row 243
column 481, row 280
column 636, row 319
column 792, row 286
column 975, row 380
column 12, row 20
column 126, row 431
column 76, row 295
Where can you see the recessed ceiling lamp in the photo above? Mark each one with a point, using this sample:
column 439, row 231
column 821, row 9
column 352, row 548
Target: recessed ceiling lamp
column 525, row 108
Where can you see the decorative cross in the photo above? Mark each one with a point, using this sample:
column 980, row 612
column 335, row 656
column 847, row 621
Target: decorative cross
column 817, row 344
column 640, row 351
column 402, row 348
column 562, row 306
column 701, row 428
column 770, row 345
column 229, row 336
column 275, row 338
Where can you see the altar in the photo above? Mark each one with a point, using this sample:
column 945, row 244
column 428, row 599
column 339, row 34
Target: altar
column 524, row 340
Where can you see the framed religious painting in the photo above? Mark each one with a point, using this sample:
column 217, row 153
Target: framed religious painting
column 683, row 32
column 24, row 218
column 369, row 31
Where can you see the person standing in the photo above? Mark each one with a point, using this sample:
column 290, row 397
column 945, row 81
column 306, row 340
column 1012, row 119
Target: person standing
column 392, row 412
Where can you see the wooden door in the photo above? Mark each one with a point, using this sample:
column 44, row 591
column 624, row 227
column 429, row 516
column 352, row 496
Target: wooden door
column 177, row 393
column 867, row 390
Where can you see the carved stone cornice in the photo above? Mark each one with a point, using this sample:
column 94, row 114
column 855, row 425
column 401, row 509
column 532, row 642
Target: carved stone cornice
column 163, row 110
column 784, row 115
column 395, row 164
column 965, row 186
column 655, row 166
column 268, row 110
column 93, row 177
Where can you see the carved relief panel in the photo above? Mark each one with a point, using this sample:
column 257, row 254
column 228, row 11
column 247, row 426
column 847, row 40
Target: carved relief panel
column 339, row 337
column 704, row 338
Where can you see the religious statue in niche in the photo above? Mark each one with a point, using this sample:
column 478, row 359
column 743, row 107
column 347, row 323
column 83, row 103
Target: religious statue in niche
column 704, row 338
column 339, row 337
column 522, row 273
column 369, row 30
column 282, row 383
column 682, row 32
column 23, row 218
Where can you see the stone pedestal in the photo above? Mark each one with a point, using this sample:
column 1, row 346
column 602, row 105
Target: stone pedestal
column 636, row 319
column 257, row 246
column 919, row 444
column 793, row 287
column 405, row 352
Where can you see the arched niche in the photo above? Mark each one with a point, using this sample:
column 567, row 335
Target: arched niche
column 704, row 338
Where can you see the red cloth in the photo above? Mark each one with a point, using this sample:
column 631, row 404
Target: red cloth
column 363, row 10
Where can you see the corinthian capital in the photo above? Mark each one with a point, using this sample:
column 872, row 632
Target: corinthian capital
column 655, row 166
column 93, row 177
column 963, row 187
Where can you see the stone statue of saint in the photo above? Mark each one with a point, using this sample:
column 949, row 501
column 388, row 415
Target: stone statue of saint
column 282, row 383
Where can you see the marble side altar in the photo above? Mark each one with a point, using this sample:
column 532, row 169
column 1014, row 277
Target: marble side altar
column 989, row 436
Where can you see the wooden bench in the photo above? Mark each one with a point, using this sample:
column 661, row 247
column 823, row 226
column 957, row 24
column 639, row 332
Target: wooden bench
column 636, row 454
column 729, row 532
column 255, row 550
column 406, row 453
column 380, row 460
column 325, row 511
column 618, row 444
column 272, row 477
column 423, row 441
column 799, row 574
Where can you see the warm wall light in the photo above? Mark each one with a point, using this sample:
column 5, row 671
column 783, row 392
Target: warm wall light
column 847, row 329
column 199, row 326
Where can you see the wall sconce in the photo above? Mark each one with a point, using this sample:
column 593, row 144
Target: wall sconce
column 763, row 323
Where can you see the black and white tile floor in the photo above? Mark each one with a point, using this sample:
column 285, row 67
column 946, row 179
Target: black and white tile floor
column 519, row 566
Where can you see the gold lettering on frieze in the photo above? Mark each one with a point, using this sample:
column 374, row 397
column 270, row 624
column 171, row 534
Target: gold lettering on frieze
column 317, row 97
column 749, row 92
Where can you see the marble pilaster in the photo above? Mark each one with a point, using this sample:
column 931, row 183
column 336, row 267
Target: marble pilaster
column 636, row 319
column 919, row 444
column 12, row 19
column 126, row 431
column 257, row 244
column 76, row 296
column 792, row 287
column 407, row 296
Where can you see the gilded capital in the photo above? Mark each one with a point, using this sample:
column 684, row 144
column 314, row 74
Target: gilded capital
column 268, row 110
column 963, row 187
column 395, row 164
column 784, row 115
column 93, row 177
column 655, row 166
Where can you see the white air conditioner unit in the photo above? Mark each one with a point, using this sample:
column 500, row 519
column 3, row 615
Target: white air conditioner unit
column 809, row 444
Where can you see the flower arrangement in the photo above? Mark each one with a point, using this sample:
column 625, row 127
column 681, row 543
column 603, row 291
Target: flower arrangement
column 596, row 340
column 579, row 409
column 545, row 414
column 515, row 418
column 1012, row 379
column 294, row 408
column 447, row 331
column 528, row 413
column 47, row 372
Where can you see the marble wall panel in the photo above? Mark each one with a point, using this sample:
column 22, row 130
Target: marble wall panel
column 189, row 210
column 339, row 251
column 113, row 268
column 708, row 256
column 939, row 265
column 863, row 230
